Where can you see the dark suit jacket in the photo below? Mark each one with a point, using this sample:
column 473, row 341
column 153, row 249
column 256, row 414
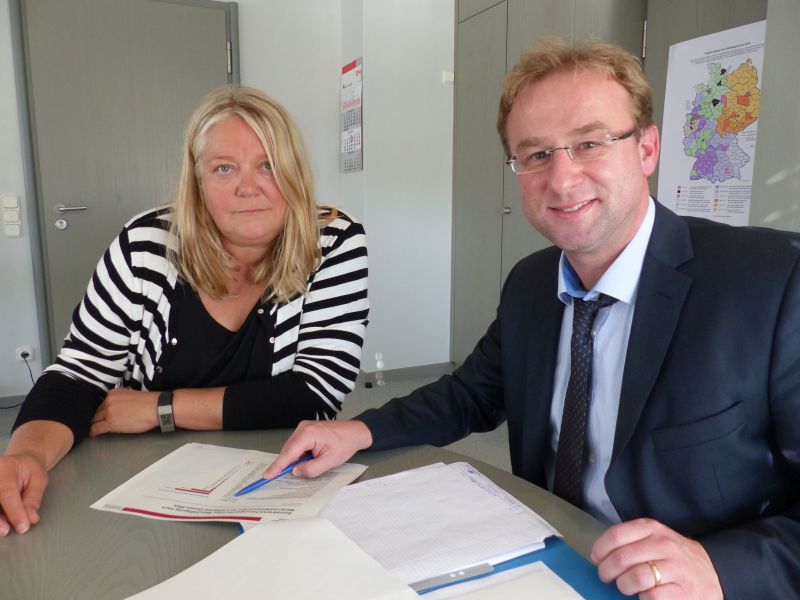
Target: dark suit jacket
column 708, row 431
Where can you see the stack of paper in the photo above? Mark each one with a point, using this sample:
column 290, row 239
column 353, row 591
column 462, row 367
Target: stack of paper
column 380, row 540
column 437, row 523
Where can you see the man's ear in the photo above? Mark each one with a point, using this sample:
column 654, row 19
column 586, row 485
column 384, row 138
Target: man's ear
column 649, row 149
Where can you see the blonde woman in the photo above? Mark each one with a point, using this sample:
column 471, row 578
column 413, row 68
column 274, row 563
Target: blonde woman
column 242, row 305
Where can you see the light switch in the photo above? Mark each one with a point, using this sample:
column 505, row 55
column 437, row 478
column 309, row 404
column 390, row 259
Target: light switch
column 12, row 217
column 10, row 201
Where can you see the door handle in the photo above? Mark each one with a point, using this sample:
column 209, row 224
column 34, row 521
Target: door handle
column 60, row 208
column 506, row 210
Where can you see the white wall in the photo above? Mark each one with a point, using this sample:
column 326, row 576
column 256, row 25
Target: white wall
column 353, row 184
column 294, row 51
column 408, row 146
column 18, row 326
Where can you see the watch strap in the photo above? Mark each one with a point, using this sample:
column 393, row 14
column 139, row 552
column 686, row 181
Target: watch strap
column 165, row 418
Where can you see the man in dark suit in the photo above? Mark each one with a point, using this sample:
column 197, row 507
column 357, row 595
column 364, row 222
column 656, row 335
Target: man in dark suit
column 690, row 446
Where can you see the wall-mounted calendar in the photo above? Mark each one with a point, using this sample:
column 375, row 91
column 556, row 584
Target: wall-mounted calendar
column 351, row 147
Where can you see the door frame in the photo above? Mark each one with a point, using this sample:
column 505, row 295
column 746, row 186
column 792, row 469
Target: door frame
column 34, row 209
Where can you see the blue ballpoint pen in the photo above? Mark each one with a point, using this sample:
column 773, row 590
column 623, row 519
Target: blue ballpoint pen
column 257, row 484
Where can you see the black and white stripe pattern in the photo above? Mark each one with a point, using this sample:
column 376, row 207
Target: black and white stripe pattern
column 121, row 325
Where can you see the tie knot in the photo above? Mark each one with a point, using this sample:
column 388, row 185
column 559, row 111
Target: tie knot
column 603, row 301
column 586, row 311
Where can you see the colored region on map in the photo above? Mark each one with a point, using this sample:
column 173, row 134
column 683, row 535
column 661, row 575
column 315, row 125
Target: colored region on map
column 722, row 108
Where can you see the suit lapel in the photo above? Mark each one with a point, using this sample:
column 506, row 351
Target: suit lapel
column 543, row 330
column 659, row 301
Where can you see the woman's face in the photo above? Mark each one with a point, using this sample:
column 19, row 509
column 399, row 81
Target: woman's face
column 239, row 189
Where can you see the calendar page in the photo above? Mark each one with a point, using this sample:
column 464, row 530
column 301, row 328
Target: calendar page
column 351, row 148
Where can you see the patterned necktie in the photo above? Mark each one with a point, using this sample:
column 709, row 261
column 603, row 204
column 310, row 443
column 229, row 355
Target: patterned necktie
column 569, row 456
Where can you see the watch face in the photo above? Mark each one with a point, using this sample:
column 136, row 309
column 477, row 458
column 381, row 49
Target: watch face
column 165, row 418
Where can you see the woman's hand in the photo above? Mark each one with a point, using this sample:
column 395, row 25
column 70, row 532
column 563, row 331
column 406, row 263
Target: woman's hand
column 35, row 447
column 129, row 411
column 22, row 482
column 125, row 411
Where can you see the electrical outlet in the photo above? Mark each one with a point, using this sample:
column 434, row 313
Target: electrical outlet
column 25, row 350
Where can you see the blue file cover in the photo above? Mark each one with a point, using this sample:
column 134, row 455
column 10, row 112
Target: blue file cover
column 562, row 560
column 571, row 567
column 566, row 563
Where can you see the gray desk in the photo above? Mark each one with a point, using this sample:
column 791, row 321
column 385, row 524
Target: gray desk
column 80, row 553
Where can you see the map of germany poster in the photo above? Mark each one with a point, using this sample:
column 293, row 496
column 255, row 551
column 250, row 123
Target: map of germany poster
column 711, row 110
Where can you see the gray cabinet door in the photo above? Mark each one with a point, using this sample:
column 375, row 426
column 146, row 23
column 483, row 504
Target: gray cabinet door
column 490, row 232
column 470, row 8
column 528, row 20
column 111, row 85
column 618, row 21
column 477, row 176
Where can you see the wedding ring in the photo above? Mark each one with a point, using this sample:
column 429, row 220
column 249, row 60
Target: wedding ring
column 656, row 572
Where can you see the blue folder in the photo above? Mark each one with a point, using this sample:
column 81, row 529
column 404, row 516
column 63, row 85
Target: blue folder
column 567, row 564
column 562, row 560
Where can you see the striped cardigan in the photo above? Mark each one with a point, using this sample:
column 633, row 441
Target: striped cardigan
column 122, row 325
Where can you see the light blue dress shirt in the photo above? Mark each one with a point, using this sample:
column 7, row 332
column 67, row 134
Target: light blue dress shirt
column 611, row 332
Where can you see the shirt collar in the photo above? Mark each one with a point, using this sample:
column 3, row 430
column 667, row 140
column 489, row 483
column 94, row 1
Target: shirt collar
column 621, row 279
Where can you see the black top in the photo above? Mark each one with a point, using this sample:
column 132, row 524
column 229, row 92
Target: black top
column 201, row 353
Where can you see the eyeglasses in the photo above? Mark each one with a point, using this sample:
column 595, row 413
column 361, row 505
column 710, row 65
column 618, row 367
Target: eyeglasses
column 536, row 161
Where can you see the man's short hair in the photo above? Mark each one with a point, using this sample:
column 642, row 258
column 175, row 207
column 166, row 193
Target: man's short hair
column 551, row 54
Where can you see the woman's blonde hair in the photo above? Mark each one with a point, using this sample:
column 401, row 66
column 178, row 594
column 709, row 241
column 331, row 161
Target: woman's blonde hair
column 199, row 254
column 551, row 54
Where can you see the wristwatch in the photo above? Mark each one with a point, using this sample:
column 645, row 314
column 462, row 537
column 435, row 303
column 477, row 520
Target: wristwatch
column 165, row 419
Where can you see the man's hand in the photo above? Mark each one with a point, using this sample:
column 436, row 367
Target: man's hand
column 330, row 442
column 22, row 482
column 637, row 553
column 125, row 411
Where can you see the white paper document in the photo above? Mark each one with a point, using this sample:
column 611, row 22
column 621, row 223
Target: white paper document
column 299, row 559
column 436, row 520
column 197, row 482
